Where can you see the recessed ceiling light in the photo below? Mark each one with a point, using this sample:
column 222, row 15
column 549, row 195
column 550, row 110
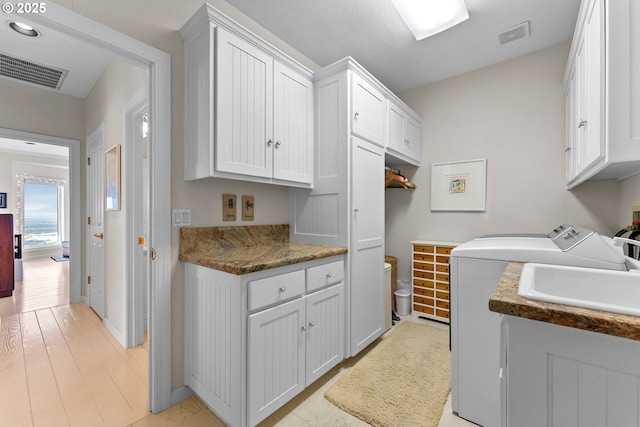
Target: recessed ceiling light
column 24, row 29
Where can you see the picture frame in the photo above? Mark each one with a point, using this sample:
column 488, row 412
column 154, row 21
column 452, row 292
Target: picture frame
column 112, row 178
column 3, row 200
column 459, row 186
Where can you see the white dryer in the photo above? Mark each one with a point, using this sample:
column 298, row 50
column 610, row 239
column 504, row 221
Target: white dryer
column 475, row 269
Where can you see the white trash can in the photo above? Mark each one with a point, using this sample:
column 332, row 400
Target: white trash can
column 403, row 301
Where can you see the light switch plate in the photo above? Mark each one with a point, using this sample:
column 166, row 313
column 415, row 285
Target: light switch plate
column 180, row 217
column 228, row 207
column 247, row 208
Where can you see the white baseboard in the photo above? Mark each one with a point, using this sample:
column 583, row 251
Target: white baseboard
column 115, row 332
column 180, row 394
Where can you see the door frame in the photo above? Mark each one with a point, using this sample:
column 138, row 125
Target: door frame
column 159, row 64
column 134, row 216
column 75, row 233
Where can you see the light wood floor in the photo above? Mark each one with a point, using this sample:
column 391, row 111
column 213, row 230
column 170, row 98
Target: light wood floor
column 45, row 284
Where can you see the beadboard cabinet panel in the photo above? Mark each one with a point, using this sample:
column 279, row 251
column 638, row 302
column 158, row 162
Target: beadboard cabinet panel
column 248, row 106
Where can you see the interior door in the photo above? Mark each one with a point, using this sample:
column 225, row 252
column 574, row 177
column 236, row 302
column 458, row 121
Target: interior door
column 95, row 213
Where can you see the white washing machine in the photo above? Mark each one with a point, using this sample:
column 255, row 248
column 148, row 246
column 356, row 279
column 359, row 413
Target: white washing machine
column 475, row 269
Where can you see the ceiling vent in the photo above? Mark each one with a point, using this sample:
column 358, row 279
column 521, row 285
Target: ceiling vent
column 30, row 72
column 517, row 32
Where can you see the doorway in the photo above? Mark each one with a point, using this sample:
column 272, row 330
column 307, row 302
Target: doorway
column 159, row 66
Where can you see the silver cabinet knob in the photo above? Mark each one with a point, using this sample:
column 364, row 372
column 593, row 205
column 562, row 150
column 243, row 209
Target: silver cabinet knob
column 355, row 116
column 278, row 143
column 583, row 124
column 269, row 142
column 303, row 327
column 312, row 324
column 283, row 288
column 328, row 275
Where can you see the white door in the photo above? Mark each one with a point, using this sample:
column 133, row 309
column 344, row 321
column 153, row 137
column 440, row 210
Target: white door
column 95, row 213
column 275, row 357
column 244, row 142
column 292, row 125
column 369, row 111
column 367, row 244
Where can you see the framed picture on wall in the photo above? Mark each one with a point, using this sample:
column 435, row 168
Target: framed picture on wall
column 3, row 200
column 112, row 178
column 459, row 186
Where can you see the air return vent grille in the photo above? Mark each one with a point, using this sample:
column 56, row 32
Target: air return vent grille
column 514, row 33
column 30, row 72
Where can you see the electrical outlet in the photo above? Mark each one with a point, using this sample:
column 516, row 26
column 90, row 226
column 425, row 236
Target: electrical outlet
column 228, row 207
column 247, row 208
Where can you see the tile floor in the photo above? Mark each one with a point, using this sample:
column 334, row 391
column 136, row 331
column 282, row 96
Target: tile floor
column 308, row 409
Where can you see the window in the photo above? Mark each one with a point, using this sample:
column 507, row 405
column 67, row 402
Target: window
column 42, row 202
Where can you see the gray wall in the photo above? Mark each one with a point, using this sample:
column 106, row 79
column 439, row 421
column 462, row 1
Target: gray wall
column 512, row 114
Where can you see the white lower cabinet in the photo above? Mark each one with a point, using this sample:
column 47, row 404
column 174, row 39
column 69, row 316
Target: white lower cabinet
column 290, row 346
column 255, row 341
column 559, row 376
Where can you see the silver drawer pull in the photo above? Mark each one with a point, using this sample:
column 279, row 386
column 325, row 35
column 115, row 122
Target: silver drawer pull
column 283, row 288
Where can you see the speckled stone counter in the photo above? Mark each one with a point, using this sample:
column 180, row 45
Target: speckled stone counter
column 505, row 300
column 247, row 249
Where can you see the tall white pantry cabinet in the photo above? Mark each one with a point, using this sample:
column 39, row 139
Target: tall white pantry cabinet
column 346, row 205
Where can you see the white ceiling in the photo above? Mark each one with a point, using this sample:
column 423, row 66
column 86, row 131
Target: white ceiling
column 84, row 62
column 374, row 34
column 371, row 31
column 33, row 148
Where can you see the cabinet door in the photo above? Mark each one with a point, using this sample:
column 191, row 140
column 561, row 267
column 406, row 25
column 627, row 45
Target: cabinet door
column 276, row 357
column 325, row 331
column 292, row 125
column 244, row 110
column 368, row 109
column 413, row 142
column 572, row 127
column 589, row 74
column 396, row 119
column 367, row 244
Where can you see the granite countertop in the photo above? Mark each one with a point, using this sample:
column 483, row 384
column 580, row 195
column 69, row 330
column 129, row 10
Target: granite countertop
column 247, row 249
column 505, row 300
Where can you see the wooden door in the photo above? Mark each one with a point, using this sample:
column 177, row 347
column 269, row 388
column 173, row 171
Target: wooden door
column 244, row 77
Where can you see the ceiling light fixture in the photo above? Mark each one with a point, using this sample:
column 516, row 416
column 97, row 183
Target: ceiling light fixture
column 428, row 17
column 24, row 29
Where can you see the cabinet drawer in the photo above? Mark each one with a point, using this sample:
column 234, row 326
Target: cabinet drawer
column 324, row 275
column 422, row 248
column 441, row 250
column 423, row 274
column 422, row 266
column 271, row 290
column 424, row 257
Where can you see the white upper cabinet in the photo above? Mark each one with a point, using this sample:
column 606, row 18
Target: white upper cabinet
column 403, row 134
column 603, row 105
column 248, row 106
column 368, row 118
